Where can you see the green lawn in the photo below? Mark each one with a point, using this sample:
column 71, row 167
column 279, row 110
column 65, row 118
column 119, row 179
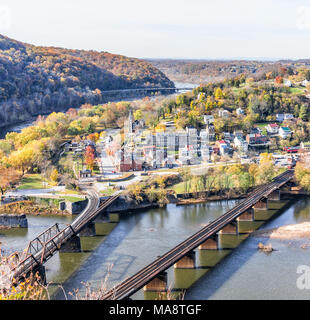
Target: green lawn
column 73, row 199
column 33, row 181
column 297, row 90
column 107, row 192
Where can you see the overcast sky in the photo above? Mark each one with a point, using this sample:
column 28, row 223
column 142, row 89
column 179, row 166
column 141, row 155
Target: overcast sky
column 203, row 29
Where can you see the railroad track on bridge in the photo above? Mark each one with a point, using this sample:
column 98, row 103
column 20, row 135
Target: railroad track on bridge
column 147, row 274
column 43, row 247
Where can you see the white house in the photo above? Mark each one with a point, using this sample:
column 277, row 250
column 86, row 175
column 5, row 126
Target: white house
column 208, row 118
column 305, row 83
column 223, row 113
column 285, row 132
column 288, row 83
column 305, row 146
column 272, row 128
column 241, row 144
column 240, row 112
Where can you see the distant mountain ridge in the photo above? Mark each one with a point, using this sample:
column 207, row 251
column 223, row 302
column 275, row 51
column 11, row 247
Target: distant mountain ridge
column 35, row 79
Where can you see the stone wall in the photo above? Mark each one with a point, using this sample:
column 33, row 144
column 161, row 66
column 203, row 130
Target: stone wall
column 74, row 207
column 13, row 221
column 124, row 203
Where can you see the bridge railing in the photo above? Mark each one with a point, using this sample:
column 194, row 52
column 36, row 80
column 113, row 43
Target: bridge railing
column 51, row 240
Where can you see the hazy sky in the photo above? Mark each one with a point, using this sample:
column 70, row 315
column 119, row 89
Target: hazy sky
column 164, row 28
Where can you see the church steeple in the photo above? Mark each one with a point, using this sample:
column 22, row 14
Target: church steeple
column 130, row 122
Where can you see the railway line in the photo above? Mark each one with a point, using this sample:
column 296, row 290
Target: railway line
column 147, row 274
column 43, row 247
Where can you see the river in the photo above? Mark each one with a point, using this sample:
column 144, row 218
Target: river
column 127, row 245
column 18, row 127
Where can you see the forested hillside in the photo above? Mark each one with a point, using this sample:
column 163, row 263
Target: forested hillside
column 203, row 71
column 35, row 80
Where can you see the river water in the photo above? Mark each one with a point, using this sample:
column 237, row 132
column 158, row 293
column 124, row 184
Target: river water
column 131, row 241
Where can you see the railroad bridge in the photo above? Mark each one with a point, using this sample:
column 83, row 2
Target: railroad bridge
column 44, row 246
column 154, row 276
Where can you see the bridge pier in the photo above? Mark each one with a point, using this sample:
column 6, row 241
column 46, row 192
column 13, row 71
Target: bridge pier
column 103, row 217
column 40, row 274
column 89, row 230
column 275, row 195
column 157, row 284
column 187, row 262
column 73, row 245
column 210, row 244
column 261, row 205
column 247, row 215
column 231, row 228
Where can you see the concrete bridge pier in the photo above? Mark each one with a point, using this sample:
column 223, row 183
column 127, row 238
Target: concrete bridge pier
column 40, row 275
column 103, row 217
column 187, row 262
column 71, row 246
column 247, row 215
column 210, row 244
column 261, row 205
column 89, row 230
column 158, row 284
column 275, row 195
column 231, row 228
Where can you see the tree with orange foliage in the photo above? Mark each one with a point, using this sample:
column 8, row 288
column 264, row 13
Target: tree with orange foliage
column 8, row 178
column 279, row 80
column 90, row 157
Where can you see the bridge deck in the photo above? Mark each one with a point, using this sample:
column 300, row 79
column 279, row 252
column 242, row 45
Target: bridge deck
column 47, row 243
column 144, row 276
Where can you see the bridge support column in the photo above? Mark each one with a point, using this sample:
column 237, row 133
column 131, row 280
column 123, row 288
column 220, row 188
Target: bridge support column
column 157, row 284
column 210, row 244
column 89, row 230
column 247, row 215
column 187, row 262
column 40, row 272
column 275, row 195
column 73, row 245
column 103, row 217
column 231, row 228
column 261, row 205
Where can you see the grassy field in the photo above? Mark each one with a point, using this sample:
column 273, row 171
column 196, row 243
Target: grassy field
column 297, row 90
column 107, row 192
column 73, row 199
column 33, row 181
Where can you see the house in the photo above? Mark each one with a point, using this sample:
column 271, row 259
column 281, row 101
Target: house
column 228, row 136
column 255, row 131
column 241, row 144
column 256, row 140
column 285, row 132
column 280, row 117
column 288, row 116
column 288, row 83
column 272, row 128
column 223, row 113
column 240, row 112
column 305, row 146
column 208, row 118
column 305, row 83
column 210, row 132
column 224, row 147
column 85, row 173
